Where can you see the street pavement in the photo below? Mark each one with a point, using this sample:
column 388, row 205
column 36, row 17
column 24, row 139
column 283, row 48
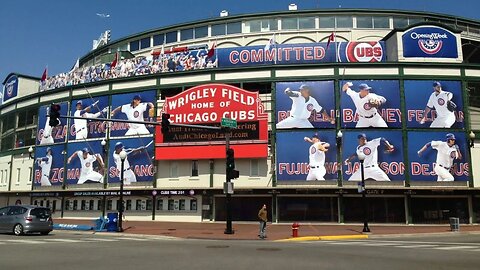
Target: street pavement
column 276, row 231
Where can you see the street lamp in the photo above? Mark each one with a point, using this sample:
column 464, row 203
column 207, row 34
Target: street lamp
column 472, row 139
column 123, row 156
column 339, row 138
column 30, row 152
column 361, row 157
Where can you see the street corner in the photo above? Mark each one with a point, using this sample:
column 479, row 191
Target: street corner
column 324, row 238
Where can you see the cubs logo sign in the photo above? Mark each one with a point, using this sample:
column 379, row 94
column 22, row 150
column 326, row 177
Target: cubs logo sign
column 364, row 52
column 310, row 107
column 441, row 101
column 429, row 41
column 367, row 151
column 367, row 106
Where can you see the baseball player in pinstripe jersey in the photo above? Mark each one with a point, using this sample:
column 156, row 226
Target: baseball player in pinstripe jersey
column 316, row 158
column 370, row 164
column 45, row 164
column 366, row 104
column 81, row 131
column 86, row 160
column 439, row 100
column 447, row 152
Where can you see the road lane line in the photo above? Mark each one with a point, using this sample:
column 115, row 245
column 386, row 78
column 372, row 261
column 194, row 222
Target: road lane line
column 456, row 247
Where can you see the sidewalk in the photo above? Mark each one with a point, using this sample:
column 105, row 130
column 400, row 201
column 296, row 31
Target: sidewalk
column 249, row 231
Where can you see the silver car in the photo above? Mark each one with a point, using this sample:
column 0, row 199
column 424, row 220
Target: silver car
column 21, row 219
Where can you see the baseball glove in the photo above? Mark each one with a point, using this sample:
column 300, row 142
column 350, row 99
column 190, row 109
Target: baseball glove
column 374, row 102
column 451, row 106
column 151, row 112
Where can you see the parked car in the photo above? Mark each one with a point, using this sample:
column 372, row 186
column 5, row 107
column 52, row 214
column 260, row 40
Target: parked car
column 20, row 219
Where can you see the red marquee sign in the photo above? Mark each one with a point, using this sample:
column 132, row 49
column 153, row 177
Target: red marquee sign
column 206, row 105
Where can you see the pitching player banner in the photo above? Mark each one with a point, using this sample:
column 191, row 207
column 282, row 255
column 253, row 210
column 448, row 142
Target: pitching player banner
column 135, row 107
column 47, row 134
column 361, row 114
column 422, row 167
column 138, row 166
column 85, row 162
column 49, row 165
column 429, row 41
column 302, row 53
column 417, row 95
column 96, row 107
column 295, row 165
column 391, row 163
column 300, row 113
column 10, row 88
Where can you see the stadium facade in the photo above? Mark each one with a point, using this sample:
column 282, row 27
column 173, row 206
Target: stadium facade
column 265, row 71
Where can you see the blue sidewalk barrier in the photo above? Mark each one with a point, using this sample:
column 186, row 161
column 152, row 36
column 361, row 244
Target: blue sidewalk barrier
column 73, row 227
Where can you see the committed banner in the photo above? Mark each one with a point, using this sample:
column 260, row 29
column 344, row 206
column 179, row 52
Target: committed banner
column 85, row 163
column 442, row 159
column 370, row 103
column 207, row 105
column 314, row 157
column 10, row 88
column 305, row 104
column 138, row 165
column 47, row 134
column 49, row 166
column 434, row 96
column 302, row 53
column 137, row 106
column 429, row 41
column 381, row 163
column 96, row 107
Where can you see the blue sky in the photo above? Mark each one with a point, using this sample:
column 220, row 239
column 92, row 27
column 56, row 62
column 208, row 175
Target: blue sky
column 34, row 34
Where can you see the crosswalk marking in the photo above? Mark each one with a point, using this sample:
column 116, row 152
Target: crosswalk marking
column 409, row 245
column 64, row 240
column 455, row 247
column 100, row 239
column 417, row 246
column 85, row 240
column 133, row 239
column 24, row 241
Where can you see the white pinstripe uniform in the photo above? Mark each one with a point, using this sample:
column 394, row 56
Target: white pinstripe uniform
column 316, row 157
column 445, row 118
column 81, row 131
column 445, row 156
column 135, row 114
column 87, row 172
column 47, row 137
column 368, row 115
column 370, row 164
column 45, row 166
column 300, row 112
column 128, row 174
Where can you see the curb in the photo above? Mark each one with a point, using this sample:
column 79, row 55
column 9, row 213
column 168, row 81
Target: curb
column 324, row 238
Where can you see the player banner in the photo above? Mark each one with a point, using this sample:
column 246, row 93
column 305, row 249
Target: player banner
column 370, row 103
column 314, row 157
column 85, row 163
column 427, row 104
column 302, row 53
column 49, row 166
column 96, row 107
column 138, row 165
column 47, row 134
column 383, row 152
column 305, row 104
column 135, row 107
column 438, row 156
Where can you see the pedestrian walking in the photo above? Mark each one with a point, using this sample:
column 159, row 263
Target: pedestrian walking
column 262, row 215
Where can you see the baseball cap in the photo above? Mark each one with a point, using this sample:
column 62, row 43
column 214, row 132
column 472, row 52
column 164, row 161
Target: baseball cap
column 364, row 86
column 49, row 149
column 435, row 84
column 118, row 145
column 85, row 150
column 450, row 136
column 315, row 136
column 304, row 87
column 137, row 97
column 362, row 135
column 79, row 102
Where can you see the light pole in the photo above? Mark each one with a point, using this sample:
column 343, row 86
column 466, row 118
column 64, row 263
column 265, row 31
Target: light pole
column 361, row 157
column 30, row 152
column 123, row 156
column 472, row 139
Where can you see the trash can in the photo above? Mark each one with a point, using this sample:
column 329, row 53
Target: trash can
column 112, row 220
column 454, row 224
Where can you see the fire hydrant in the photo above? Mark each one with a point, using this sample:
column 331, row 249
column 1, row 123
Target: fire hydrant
column 295, row 227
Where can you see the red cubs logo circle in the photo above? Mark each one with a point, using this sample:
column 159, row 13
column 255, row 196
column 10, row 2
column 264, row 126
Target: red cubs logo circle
column 310, row 107
column 313, row 150
column 87, row 164
column 364, row 52
column 367, row 151
column 430, row 46
column 453, row 154
column 136, row 114
column 441, row 101
column 367, row 106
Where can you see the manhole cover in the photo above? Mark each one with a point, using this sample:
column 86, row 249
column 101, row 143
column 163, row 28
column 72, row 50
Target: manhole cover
column 218, row 246
column 172, row 229
column 268, row 249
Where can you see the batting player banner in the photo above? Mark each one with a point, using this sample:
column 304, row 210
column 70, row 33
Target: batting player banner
column 47, row 134
column 137, row 106
column 370, row 103
column 428, row 42
column 383, row 151
column 85, row 163
column 138, row 164
column 305, row 104
column 49, row 166
column 89, row 108
column 206, row 105
column 10, row 88
column 302, row 53
column 438, row 156
column 427, row 104
column 314, row 158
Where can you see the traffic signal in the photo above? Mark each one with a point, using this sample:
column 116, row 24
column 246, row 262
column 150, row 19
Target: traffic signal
column 165, row 123
column 54, row 115
column 231, row 172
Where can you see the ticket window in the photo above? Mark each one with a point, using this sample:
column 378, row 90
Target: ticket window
column 160, row 204
column 181, row 204
column 193, row 205
column 171, row 205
